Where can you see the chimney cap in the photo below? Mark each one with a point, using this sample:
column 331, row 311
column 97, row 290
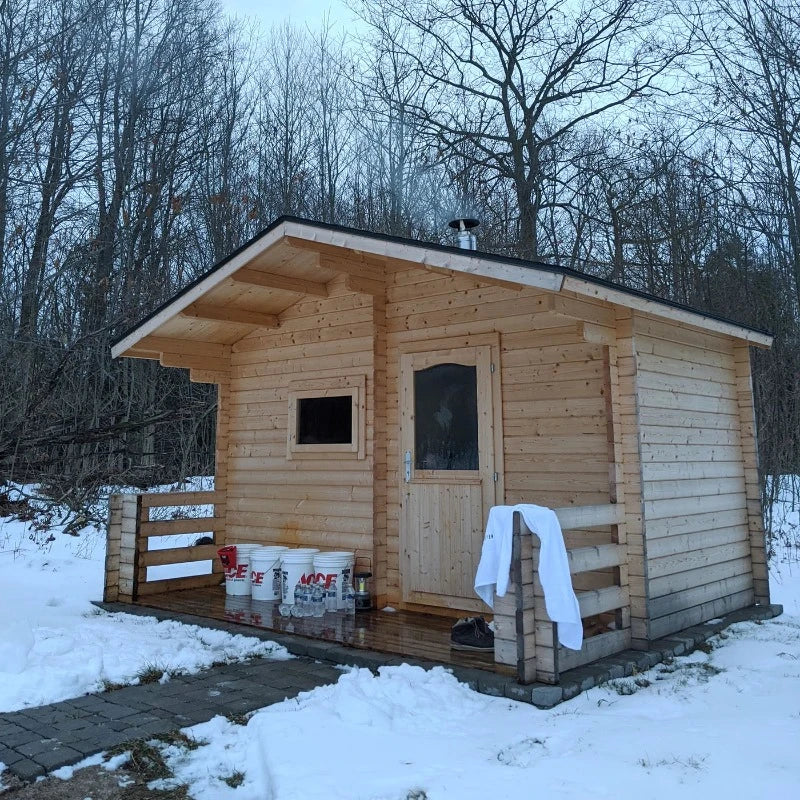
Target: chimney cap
column 464, row 223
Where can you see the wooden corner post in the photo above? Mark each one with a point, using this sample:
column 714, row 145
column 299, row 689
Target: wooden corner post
column 113, row 538
column 627, row 443
column 755, row 520
column 512, row 619
column 523, row 575
column 525, row 637
column 122, row 545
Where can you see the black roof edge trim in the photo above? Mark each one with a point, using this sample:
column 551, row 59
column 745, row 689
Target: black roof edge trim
column 478, row 254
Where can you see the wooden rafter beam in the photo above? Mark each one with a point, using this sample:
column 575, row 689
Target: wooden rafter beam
column 271, row 280
column 189, row 347
column 235, row 316
column 365, row 285
column 355, row 265
column 299, row 243
column 207, row 376
column 194, row 362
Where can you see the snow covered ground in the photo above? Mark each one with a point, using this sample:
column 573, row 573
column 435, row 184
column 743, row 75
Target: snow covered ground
column 54, row 644
column 709, row 725
column 723, row 723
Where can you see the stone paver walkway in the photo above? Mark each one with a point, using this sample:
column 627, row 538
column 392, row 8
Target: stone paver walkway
column 38, row 740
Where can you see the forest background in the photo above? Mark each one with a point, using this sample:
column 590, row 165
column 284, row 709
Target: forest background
column 655, row 144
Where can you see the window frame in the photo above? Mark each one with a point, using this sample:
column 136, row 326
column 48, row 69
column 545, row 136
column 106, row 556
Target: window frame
column 352, row 386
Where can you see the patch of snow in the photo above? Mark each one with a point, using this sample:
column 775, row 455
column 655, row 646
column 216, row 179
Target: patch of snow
column 716, row 724
column 115, row 762
column 98, row 759
column 54, row 644
column 65, row 773
column 784, row 565
column 708, row 725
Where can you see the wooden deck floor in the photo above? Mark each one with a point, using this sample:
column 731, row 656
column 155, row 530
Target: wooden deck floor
column 404, row 633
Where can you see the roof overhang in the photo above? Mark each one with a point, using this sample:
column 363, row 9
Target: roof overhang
column 658, row 308
column 328, row 238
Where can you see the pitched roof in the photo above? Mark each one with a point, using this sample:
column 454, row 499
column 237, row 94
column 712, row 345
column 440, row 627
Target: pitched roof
column 473, row 262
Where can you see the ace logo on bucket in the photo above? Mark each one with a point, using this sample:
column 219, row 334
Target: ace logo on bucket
column 297, row 566
column 326, row 580
column 334, row 570
column 287, row 591
column 239, row 572
column 256, row 578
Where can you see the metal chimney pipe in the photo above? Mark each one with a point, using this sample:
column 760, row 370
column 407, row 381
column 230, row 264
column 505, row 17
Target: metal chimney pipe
column 464, row 226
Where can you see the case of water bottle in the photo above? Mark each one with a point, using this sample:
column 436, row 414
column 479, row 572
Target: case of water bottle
column 314, row 599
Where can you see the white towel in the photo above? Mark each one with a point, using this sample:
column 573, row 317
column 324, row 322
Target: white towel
column 493, row 570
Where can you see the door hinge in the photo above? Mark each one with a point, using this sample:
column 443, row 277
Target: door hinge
column 495, row 477
column 491, row 367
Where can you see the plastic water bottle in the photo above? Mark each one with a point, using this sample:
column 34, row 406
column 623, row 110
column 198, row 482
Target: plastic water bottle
column 285, row 610
column 298, row 609
column 317, row 600
column 349, row 600
column 330, row 596
column 307, row 605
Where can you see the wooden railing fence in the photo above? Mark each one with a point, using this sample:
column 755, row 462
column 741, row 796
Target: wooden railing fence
column 131, row 530
column 525, row 637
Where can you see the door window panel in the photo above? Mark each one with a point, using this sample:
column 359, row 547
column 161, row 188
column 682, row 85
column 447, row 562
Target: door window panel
column 446, row 418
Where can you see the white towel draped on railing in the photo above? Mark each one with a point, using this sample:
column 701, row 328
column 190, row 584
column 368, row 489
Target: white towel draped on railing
column 493, row 570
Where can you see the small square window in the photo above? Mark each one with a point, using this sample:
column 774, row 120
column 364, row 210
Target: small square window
column 326, row 419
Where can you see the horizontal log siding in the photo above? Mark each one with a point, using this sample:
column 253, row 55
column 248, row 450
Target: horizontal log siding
column 324, row 502
column 553, row 403
column 554, row 421
column 693, row 480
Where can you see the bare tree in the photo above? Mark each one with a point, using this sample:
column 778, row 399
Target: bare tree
column 18, row 100
column 333, row 137
column 753, row 48
column 507, row 80
column 226, row 198
column 286, row 125
column 64, row 57
column 394, row 152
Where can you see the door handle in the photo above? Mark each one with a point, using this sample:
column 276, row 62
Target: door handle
column 407, row 462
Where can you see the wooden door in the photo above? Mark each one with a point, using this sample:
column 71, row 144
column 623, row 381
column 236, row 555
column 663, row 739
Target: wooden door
column 448, row 473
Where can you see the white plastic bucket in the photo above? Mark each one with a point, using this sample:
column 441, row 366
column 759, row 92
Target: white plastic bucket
column 265, row 573
column 337, row 568
column 296, row 565
column 237, row 579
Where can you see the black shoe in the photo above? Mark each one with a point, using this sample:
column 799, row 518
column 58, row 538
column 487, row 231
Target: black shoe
column 471, row 634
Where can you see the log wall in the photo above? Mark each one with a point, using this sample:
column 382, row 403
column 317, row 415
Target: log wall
column 694, row 500
column 554, row 385
column 755, row 520
column 675, row 449
column 323, row 500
